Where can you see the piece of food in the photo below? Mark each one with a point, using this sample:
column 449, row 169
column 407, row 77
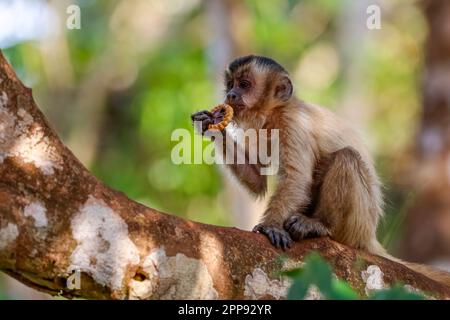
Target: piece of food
column 227, row 111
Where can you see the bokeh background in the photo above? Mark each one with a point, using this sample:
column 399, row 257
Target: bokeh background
column 115, row 90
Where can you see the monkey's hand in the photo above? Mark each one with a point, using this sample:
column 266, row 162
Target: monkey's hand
column 301, row 227
column 278, row 237
column 204, row 118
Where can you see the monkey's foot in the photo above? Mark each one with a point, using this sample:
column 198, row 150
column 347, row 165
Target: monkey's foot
column 301, row 227
column 278, row 237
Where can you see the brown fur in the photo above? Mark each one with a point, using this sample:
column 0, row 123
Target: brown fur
column 327, row 183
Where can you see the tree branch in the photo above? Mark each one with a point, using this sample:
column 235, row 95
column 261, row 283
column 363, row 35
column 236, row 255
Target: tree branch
column 58, row 221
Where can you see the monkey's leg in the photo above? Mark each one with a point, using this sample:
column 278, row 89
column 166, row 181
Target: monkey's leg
column 300, row 226
column 343, row 202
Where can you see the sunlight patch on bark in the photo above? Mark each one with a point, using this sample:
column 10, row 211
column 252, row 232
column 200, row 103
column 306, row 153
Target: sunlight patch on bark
column 104, row 248
column 19, row 137
column 258, row 285
column 176, row 277
column 37, row 211
column 8, row 234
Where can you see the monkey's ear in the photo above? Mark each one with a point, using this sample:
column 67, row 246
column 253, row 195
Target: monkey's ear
column 284, row 89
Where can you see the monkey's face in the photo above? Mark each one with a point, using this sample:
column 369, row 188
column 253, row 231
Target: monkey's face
column 240, row 91
column 256, row 83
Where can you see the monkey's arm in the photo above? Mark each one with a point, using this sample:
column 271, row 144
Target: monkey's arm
column 247, row 174
column 294, row 184
column 293, row 191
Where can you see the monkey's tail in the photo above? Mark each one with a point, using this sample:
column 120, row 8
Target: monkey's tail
column 435, row 274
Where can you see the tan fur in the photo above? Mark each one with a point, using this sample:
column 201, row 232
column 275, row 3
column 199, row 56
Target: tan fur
column 309, row 133
column 327, row 183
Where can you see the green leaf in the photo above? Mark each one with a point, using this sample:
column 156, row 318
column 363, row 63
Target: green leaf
column 298, row 289
column 341, row 290
column 315, row 272
column 398, row 292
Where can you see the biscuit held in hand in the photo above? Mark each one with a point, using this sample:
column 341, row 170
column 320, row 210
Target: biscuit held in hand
column 223, row 112
column 215, row 120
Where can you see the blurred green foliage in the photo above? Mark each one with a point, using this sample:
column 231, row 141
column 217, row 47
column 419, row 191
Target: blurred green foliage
column 174, row 78
column 3, row 293
column 317, row 273
column 154, row 59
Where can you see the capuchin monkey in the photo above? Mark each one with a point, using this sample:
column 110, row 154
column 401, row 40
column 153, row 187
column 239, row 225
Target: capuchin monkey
column 327, row 183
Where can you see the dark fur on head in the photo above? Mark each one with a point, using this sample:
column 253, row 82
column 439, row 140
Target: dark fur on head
column 258, row 60
column 256, row 82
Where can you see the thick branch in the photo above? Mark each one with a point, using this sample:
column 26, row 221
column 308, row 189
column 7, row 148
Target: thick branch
column 56, row 218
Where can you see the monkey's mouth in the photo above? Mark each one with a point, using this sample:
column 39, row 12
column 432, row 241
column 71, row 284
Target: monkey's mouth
column 237, row 106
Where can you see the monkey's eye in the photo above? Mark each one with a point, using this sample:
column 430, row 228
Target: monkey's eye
column 229, row 84
column 244, row 84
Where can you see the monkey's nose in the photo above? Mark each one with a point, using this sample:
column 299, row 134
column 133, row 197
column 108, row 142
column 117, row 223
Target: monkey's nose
column 231, row 97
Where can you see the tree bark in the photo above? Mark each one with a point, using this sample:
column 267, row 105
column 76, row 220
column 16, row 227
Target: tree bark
column 58, row 221
column 427, row 237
